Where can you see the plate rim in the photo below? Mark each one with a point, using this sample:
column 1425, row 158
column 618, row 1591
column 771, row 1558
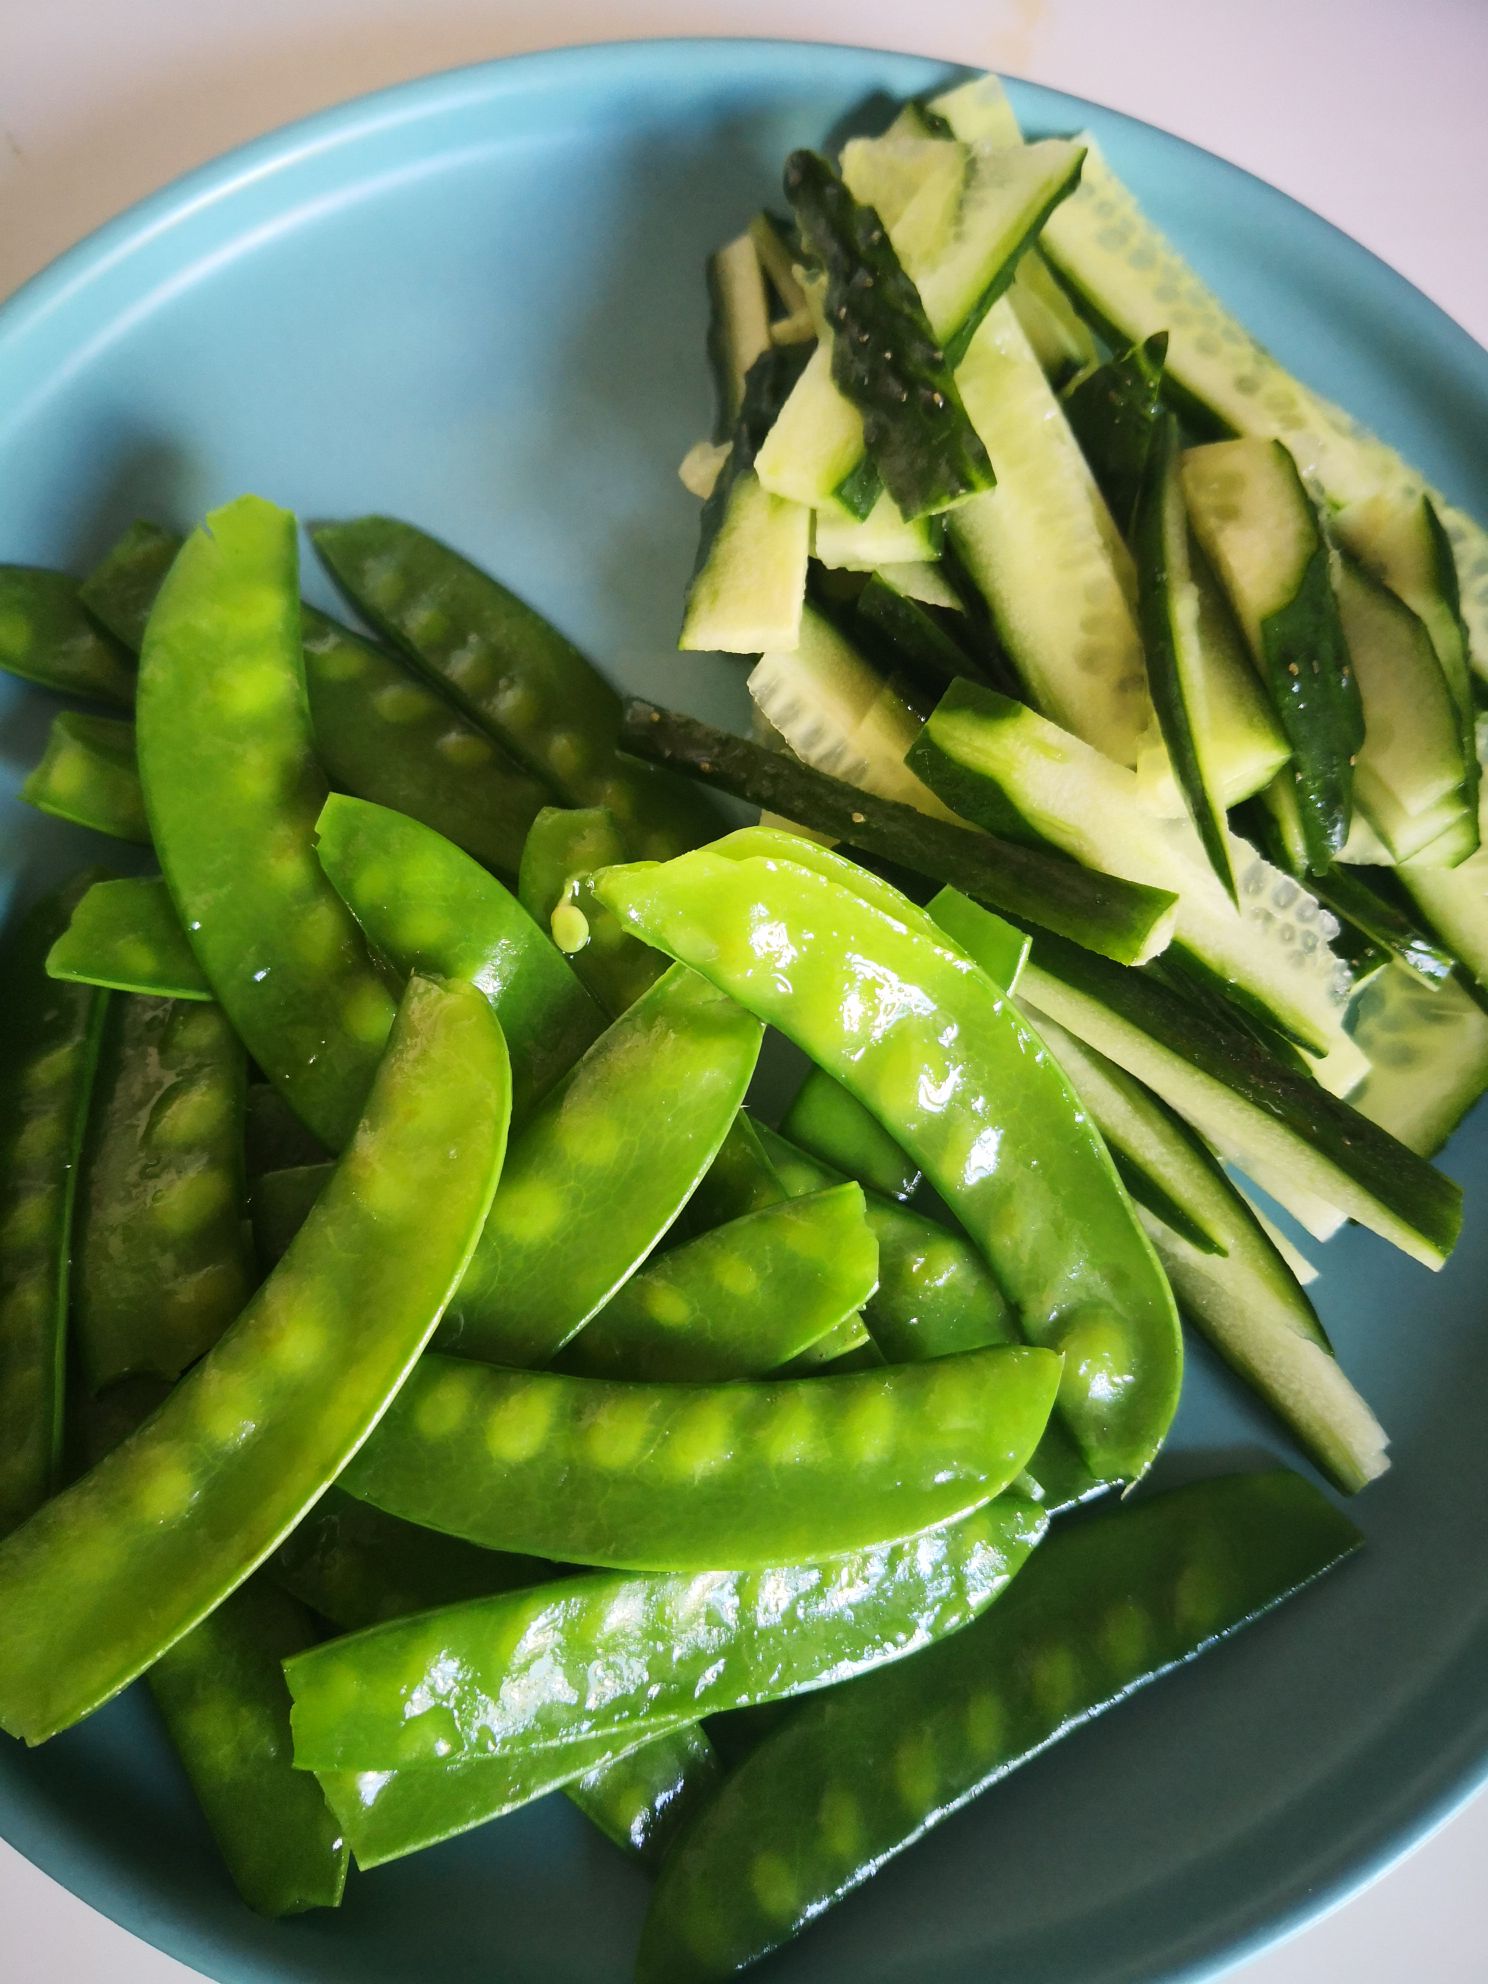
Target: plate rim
column 1455, row 1782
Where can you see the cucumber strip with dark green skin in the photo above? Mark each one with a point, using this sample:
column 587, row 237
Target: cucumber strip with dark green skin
column 857, row 1774
column 87, row 775
column 127, row 936
column 1372, row 908
column 1168, row 615
column 1124, row 920
column 1114, row 412
column 1231, row 1090
column 913, row 635
column 885, row 357
column 47, row 638
column 121, row 589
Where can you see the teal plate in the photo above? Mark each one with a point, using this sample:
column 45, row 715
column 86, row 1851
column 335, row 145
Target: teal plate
column 478, row 302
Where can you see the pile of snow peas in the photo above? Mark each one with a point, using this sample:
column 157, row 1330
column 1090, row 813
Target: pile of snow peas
column 422, row 1369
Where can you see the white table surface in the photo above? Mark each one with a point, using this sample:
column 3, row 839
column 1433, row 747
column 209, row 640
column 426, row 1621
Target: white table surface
column 1369, row 110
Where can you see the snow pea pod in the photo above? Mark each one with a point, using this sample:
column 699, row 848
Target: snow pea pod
column 48, row 1050
column 832, row 1124
column 120, row 590
column 742, row 1299
column 855, row 1776
column 686, row 1477
column 511, row 671
column 87, row 775
column 600, row 1654
column 937, row 1052
column 643, row 1799
column 232, row 788
column 564, row 844
column 126, row 935
column 47, row 638
column 426, row 906
column 601, row 1169
column 274, row 1137
column 279, row 1204
column 162, row 1265
column 107, row 1575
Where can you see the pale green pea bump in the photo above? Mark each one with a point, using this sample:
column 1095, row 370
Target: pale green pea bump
column 618, row 1432
column 318, row 935
column 225, row 1406
column 1198, row 1602
column 1054, row 1679
column 868, row 1430
column 296, row 1345
column 464, row 748
column 1126, row 1637
column 516, row 704
column 49, row 1071
column 251, row 689
column 339, row 661
column 190, row 1112
column 471, row 670
column 735, row 1275
column 27, row 1225
column 566, row 753
column 400, row 702
column 589, row 1136
column 518, row 1426
column 441, row 1407
column 666, row 1305
column 366, row 1013
column 163, row 1490
column 915, row 1774
column 569, row 927
column 22, row 1307
column 423, row 927
column 376, row 881
column 70, row 773
column 699, row 1439
column 839, row 1824
column 38, row 1138
column 256, row 771
column 528, row 1208
column 985, row 1723
column 428, row 625
column 1097, row 1355
column 773, row 1885
column 15, row 634
column 185, row 1203
column 792, row 1436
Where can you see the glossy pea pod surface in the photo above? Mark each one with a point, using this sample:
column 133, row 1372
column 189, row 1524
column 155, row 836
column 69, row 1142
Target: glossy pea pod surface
column 232, row 787
column 687, row 1477
column 855, row 1776
column 87, row 775
column 426, row 906
column 599, row 1655
column 512, row 672
column 162, row 1264
column 563, row 846
column 827, row 1120
column 113, row 1571
column 126, row 935
column 47, row 638
column 48, row 1051
column 358, row 1567
column 740, row 1300
column 601, row 1169
column 936, row 1051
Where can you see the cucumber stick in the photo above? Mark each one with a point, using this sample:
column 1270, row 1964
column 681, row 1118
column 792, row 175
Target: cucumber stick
column 1013, row 772
column 959, row 253
column 1454, row 901
column 1240, row 1293
column 739, row 332
column 1114, row 411
column 1256, row 521
column 1403, row 543
column 1428, row 1052
column 1129, row 281
column 1277, row 1124
column 883, row 537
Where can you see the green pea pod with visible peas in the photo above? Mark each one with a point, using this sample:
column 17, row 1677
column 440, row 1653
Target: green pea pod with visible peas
column 424, row 905
column 853, row 1777
column 686, row 1477
column 563, row 845
column 358, row 1567
column 120, row 590
column 47, row 638
column 601, row 1169
column 935, row 1296
column 600, row 1655
column 739, row 1300
column 274, row 1137
column 87, row 775
column 162, row 1264
column 48, row 1051
column 516, row 675
column 832, row 1124
column 232, row 788
column 905, row 1020
column 126, row 935
column 106, row 1576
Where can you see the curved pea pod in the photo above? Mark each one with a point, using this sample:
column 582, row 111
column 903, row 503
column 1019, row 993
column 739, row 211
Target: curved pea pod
column 274, row 1138
column 643, row 1799
column 107, row 1575
column 832, row 1124
column 564, row 844
column 855, row 1776
column 120, row 590
column 48, row 1051
column 743, row 1298
column 279, row 1204
column 126, row 935
column 162, row 1266
column 686, row 1477
column 87, row 775
column 599, row 1655
column 427, row 906
column 937, row 1052
column 47, row 638
column 232, row 788
column 601, row 1169
column 516, row 675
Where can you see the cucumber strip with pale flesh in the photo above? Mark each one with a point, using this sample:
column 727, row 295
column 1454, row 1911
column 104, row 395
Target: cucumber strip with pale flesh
column 1114, row 411
column 1168, row 614
column 1274, row 1122
column 1403, row 543
column 1385, row 923
column 1013, row 772
column 926, row 583
column 1428, row 1053
column 883, row 537
column 1044, row 554
column 740, row 329
column 777, row 257
column 1454, row 901
column 1130, row 281
column 1255, row 519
